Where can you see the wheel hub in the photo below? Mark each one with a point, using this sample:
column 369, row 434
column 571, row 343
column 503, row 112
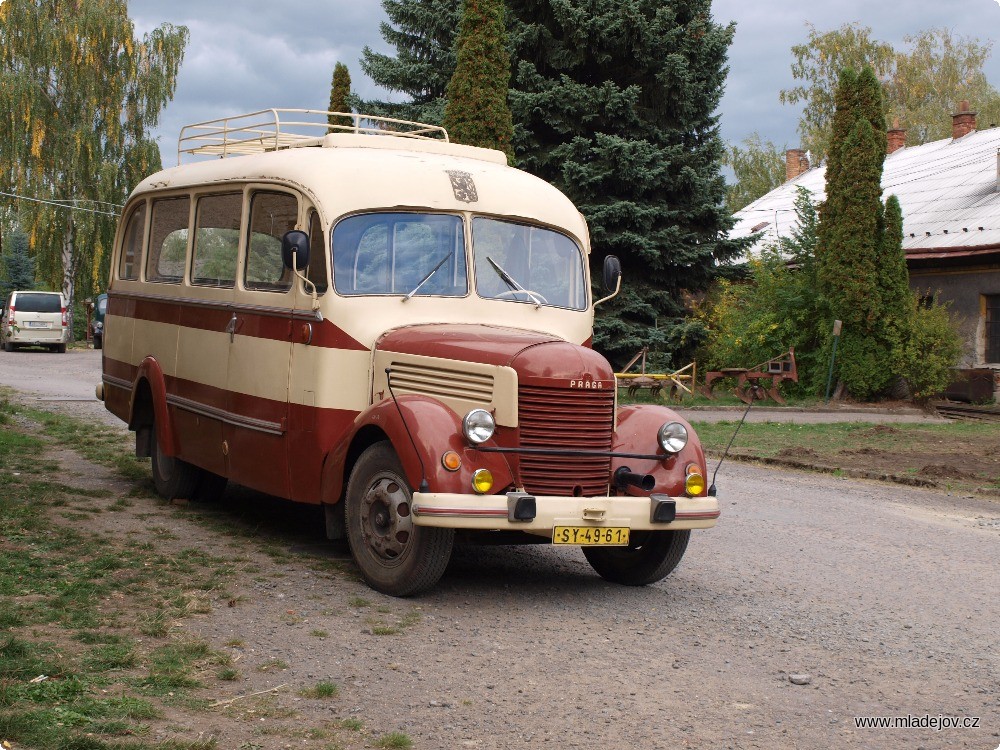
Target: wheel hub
column 386, row 523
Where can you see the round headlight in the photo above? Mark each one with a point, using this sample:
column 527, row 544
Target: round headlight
column 673, row 436
column 478, row 426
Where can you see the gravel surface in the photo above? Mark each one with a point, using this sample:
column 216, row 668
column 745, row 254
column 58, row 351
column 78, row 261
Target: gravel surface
column 814, row 601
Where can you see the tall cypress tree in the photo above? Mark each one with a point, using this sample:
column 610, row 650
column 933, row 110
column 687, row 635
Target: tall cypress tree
column 862, row 269
column 18, row 265
column 340, row 92
column 614, row 102
column 477, row 112
column 423, row 34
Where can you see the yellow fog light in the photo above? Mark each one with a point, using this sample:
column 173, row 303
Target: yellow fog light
column 482, row 481
column 451, row 461
column 694, row 483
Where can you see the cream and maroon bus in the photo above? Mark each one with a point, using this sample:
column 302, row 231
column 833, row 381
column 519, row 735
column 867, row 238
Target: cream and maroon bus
column 397, row 328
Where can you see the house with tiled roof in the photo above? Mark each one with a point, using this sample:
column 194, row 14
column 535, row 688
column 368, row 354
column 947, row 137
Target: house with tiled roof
column 949, row 191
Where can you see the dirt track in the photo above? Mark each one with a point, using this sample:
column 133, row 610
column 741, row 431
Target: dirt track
column 885, row 596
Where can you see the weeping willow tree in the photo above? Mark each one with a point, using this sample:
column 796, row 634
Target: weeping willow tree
column 79, row 95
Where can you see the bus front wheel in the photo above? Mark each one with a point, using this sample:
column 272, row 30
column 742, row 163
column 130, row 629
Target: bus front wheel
column 395, row 556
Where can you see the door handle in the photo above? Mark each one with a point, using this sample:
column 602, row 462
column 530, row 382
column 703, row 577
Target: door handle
column 231, row 328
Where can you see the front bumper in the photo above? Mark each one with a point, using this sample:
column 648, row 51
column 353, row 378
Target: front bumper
column 492, row 512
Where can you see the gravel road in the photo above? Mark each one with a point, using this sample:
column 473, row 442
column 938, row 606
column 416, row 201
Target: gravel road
column 883, row 600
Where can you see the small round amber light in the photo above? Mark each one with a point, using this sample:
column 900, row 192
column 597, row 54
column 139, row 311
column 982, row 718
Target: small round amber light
column 451, row 461
column 482, row 481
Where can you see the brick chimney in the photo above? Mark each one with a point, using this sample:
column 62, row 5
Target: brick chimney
column 796, row 162
column 896, row 137
column 963, row 122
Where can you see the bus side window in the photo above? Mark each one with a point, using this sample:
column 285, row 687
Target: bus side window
column 168, row 240
column 216, row 240
column 316, row 273
column 135, row 230
column 271, row 215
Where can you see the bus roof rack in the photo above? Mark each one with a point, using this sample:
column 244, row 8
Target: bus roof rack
column 274, row 129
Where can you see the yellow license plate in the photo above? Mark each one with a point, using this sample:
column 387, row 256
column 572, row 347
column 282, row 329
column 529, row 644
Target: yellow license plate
column 591, row 536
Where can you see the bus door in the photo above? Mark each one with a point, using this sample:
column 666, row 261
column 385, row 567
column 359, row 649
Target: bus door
column 260, row 335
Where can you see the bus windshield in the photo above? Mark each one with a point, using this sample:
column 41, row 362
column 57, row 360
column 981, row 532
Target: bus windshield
column 405, row 254
column 522, row 263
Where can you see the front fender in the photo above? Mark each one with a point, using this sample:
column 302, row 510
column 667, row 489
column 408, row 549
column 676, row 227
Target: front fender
column 636, row 433
column 435, row 429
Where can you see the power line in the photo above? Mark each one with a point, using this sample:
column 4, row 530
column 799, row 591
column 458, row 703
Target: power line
column 62, row 204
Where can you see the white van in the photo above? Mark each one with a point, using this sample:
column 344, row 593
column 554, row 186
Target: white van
column 34, row 319
column 397, row 328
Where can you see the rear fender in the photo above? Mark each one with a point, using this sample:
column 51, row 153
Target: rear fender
column 151, row 374
column 636, row 433
column 435, row 429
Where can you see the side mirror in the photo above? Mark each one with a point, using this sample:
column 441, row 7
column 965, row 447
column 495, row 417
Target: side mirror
column 295, row 242
column 612, row 272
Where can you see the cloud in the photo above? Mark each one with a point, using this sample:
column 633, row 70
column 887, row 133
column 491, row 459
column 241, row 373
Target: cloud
column 256, row 54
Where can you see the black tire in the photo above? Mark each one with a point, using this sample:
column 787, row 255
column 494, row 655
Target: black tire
column 395, row 556
column 98, row 342
column 59, row 348
column 8, row 347
column 172, row 477
column 650, row 557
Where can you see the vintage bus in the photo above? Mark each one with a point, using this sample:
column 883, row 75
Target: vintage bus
column 373, row 319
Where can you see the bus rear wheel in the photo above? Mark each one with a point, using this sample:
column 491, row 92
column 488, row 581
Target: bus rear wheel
column 395, row 556
column 650, row 557
column 173, row 477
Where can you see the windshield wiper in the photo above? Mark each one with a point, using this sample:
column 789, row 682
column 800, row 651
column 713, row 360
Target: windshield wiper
column 427, row 277
column 509, row 281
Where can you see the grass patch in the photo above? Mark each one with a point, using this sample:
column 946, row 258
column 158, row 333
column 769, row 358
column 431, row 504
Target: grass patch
column 394, row 740
column 957, row 455
column 69, row 599
column 321, row 690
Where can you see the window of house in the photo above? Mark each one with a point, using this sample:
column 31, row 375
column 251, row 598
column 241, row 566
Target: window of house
column 168, row 239
column 992, row 327
column 271, row 215
column 128, row 264
column 216, row 240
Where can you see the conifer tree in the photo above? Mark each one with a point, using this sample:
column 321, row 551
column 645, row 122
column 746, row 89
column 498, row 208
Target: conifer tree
column 615, row 102
column 476, row 112
column 340, row 92
column 861, row 265
column 18, row 265
column 423, row 33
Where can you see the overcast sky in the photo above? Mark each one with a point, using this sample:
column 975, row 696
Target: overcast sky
column 255, row 54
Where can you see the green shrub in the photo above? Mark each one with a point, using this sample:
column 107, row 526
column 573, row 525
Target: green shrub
column 932, row 350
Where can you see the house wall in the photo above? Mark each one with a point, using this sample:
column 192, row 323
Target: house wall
column 964, row 289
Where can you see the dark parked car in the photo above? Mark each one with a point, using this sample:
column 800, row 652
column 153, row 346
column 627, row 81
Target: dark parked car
column 97, row 321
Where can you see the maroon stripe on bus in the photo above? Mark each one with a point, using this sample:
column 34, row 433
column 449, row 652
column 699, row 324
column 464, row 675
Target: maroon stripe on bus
column 276, row 325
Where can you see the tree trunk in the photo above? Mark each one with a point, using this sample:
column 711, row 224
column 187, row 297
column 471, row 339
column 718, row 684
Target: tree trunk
column 69, row 272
